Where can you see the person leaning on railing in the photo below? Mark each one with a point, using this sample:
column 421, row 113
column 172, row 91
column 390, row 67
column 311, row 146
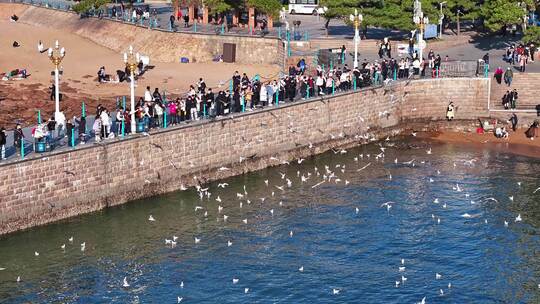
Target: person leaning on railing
column 3, row 141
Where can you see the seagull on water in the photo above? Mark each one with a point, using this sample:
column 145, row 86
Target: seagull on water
column 197, row 241
column 125, row 284
column 403, row 279
column 235, row 281
column 246, row 290
column 423, row 301
column 218, row 199
column 388, row 205
column 438, row 276
column 244, row 221
column 70, row 239
column 335, row 291
column 401, row 268
column 63, row 247
column 179, row 299
column 36, row 253
column 357, row 210
column 229, row 243
column 301, row 269
column 518, row 218
column 197, row 208
column 151, row 218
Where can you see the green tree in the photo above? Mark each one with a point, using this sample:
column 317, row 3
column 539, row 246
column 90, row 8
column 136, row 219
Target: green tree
column 499, row 13
column 532, row 34
column 218, row 6
column 268, row 7
column 86, row 5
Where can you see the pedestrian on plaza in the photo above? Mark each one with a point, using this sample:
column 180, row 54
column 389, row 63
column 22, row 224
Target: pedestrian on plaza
column 70, row 128
column 506, row 100
column 514, row 121
column 105, row 124
column 186, row 20
column 171, row 22
column 60, row 119
column 82, row 130
column 522, row 63
column 498, row 75
column 148, row 95
column 120, row 122
column 513, row 99
column 3, row 141
column 96, row 128
column 508, row 76
column 18, row 138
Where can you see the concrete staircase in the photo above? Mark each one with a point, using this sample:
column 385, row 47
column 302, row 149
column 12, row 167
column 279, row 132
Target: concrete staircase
column 527, row 86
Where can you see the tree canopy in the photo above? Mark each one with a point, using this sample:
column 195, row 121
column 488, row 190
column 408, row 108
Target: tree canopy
column 397, row 14
column 86, row 5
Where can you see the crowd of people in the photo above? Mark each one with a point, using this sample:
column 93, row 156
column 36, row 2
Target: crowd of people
column 521, row 54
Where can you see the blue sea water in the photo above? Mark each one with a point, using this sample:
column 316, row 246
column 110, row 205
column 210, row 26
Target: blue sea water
column 356, row 252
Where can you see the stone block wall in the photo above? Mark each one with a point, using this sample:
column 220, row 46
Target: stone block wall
column 63, row 184
column 162, row 46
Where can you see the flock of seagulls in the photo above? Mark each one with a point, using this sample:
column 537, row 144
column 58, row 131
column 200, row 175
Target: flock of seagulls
column 319, row 175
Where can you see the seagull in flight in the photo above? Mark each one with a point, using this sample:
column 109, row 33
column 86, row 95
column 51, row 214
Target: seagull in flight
column 222, row 185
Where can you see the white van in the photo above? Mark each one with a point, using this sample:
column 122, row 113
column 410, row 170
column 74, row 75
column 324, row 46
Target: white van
column 305, row 7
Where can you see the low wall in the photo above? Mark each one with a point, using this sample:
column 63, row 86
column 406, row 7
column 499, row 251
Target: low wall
column 162, row 46
column 63, row 184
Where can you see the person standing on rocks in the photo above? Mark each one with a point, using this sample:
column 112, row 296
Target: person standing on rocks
column 3, row 141
column 514, row 121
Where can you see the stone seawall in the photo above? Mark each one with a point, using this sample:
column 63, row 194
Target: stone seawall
column 162, row 46
column 64, row 184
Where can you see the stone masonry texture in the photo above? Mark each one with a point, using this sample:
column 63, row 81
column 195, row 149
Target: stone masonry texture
column 162, row 46
column 59, row 185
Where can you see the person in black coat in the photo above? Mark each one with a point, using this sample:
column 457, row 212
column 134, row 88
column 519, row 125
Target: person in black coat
column 18, row 137
column 514, row 121
column 3, row 141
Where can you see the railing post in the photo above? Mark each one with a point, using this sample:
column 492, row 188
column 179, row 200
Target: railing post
column 72, row 137
column 165, row 119
column 22, row 148
column 243, row 102
column 39, row 116
column 354, row 82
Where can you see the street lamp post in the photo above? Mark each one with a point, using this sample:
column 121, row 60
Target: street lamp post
column 420, row 21
column 131, row 62
column 357, row 20
column 56, row 55
column 441, row 18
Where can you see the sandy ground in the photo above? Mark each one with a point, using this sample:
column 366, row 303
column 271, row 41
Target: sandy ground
column 20, row 99
column 517, row 142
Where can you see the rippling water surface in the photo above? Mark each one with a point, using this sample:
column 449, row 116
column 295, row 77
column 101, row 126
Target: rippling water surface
column 357, row 251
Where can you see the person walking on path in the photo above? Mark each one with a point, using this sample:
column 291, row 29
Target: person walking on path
column 3, row 141
column 18, row 138
column 513, row 99
column 508, row 76
column 498, row 75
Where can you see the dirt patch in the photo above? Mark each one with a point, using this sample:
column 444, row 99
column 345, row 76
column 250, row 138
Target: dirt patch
column 517, row 142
